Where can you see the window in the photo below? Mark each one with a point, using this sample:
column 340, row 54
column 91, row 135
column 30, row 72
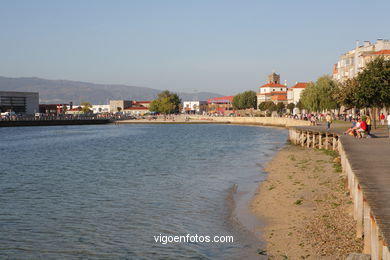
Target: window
column 15, row 104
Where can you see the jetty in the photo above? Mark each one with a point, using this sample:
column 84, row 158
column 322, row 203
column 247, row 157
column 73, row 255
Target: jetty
column 51, row 121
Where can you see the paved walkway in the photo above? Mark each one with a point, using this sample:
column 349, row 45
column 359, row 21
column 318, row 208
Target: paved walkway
column 370, row 160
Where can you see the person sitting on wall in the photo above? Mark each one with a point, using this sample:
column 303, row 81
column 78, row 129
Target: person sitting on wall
column 351, row 130
column 362, row 128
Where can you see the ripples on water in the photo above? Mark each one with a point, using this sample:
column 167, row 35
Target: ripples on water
column 103, row 192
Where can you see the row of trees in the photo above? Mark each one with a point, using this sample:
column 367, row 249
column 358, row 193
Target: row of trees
column 369, row 89
column 245, row 100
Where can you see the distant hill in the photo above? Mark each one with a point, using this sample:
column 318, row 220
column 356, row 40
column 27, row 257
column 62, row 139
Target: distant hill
column 64, row 91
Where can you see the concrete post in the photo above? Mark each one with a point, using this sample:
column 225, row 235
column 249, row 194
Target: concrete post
column 314, row 140
column 308, row 139
column 374, row 239
column 334, row 147
column 326, row 141
column 367, row 228
column 359, row 214
column 385, row 252
column 319, row 140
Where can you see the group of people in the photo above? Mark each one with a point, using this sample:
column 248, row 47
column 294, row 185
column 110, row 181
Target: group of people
column 360, row 127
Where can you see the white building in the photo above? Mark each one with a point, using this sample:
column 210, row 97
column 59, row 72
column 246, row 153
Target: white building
column 294, row 93
column 353, row 61
column 194, row 107
column 272, row 91
column 99, row 109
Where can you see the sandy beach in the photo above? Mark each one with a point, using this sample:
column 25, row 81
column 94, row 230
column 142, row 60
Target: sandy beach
column 305, row 207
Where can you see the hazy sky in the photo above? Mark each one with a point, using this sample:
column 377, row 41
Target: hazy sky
column 183, row 45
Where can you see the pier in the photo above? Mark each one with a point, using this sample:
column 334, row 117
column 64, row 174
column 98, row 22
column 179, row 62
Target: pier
column 53, row 121
column 366, row 167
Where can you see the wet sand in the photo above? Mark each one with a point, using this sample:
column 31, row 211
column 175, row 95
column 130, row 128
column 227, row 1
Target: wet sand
column 305, row 206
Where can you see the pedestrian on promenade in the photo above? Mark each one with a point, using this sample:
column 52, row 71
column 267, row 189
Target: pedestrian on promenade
column 388, row 123
column 382, row 117
column 328, row 119
column 368, row 123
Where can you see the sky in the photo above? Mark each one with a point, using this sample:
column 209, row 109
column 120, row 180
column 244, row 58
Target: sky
column 218, row 46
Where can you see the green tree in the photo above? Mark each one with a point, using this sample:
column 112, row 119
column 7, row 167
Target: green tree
column 165, row 103
column 245, row 100
column 237, row 101
column 291, row 107
column 267, row 106
column 299, row 105
column 319, row 96
column 373, row 88
column 86, row 107
column 280, row 107
column 346, row 94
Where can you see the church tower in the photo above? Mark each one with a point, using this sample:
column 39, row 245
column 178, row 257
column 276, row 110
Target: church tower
column 274, row 78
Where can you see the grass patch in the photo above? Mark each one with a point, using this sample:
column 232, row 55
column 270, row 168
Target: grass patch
column 292, row 157
column 298, row 202
column 330, row 153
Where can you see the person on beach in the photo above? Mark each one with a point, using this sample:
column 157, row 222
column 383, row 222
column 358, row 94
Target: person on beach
column 382, row 118
column 328, row 121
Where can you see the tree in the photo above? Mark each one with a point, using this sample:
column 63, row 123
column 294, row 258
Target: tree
column 245, row 100
column 299, row 105
column 291, row 107
column 280, row 107
column 166, row 103
column 86, row 107
column 369, row 89
column 319, row 96
column 373, row 88
column 267, row 106
column 346, row 94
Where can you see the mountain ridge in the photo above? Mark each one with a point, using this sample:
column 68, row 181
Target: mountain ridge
column 64, row 91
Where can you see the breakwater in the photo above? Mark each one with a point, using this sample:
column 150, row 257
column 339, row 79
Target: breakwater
column 266, row 121
column 51, row 122
column 366, row 182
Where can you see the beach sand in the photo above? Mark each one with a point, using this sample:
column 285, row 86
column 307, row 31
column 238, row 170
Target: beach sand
column 305, row 206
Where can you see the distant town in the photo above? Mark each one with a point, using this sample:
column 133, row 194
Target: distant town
column 13, row 104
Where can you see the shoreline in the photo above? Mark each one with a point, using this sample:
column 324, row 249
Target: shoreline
column 308, row 211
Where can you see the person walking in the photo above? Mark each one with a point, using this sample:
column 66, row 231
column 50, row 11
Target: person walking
column 328, row 119
column 388, row 123
column 368, row 123
column 382, row 118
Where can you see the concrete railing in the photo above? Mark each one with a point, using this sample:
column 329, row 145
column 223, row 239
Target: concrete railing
column 366, row 222
column 268, row 121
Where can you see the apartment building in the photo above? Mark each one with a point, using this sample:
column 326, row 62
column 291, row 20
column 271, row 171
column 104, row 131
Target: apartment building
column 353, row 61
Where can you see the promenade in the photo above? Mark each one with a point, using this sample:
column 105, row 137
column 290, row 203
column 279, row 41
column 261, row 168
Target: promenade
column 367, row 167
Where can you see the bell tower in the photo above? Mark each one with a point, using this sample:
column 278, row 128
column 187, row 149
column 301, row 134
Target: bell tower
column 274, row 78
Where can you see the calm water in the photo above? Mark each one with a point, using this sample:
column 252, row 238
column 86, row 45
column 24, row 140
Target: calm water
column 103, row 192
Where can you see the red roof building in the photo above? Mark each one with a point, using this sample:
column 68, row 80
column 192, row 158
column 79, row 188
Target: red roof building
column 220, row 105
column 295, row 92
column 272, row 91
